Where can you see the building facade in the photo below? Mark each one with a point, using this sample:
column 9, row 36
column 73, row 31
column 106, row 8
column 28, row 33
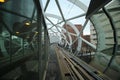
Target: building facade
column 84, row 47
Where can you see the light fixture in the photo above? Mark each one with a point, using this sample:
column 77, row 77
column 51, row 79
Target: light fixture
column 27, row 37
column 17, row 32
column 27, row 23
column 2, row 1
column 36, row 32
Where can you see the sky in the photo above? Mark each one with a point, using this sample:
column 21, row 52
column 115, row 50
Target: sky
column 69, row 10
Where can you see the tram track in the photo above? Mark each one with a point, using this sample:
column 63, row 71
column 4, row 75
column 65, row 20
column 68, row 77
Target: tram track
column 71, row 70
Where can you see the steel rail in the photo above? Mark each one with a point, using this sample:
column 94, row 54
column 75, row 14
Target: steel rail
column 77, row 69
column 82, row 71
column 90, row 70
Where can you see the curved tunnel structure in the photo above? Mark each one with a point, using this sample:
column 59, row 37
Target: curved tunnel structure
column 28, row 29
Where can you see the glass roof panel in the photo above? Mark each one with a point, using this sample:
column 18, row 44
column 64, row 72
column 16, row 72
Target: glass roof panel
column 86, row 2
column 52, row 8
column 69, row 10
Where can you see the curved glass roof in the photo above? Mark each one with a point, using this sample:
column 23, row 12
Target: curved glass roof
column 62, row 11
column 63, row 15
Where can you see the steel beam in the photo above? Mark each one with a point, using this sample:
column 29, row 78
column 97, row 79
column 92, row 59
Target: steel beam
column 39, row 39
column 81, row 31
column 77, row 33
column 2, row 47
column 46, row 5
column 79, row 4
column 90, row 44
column 57, row 2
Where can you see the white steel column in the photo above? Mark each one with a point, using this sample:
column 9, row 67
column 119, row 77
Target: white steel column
column 77, row 33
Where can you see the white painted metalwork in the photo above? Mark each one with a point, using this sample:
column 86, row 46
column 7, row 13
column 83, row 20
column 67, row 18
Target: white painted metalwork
column 57, row 17
column 90, row 44
column 77, row 33
column 79, row 4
